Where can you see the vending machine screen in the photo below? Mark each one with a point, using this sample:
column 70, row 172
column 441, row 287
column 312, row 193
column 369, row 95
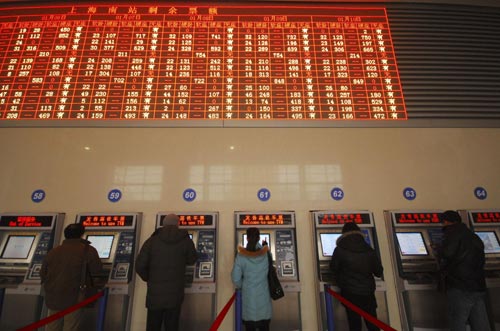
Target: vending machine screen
column 329, row 242
column 490, row 240
column 103, row 244
column 263, row 237
column 411, row 243
column 18, row 247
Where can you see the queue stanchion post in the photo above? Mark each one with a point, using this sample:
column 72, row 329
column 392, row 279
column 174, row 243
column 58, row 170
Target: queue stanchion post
column 101, row 314
column 329, row 309
column 238, row 311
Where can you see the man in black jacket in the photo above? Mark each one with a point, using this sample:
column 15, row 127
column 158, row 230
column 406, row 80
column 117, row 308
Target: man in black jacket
column 162, row 264
column 462, row 262
column 354, row 263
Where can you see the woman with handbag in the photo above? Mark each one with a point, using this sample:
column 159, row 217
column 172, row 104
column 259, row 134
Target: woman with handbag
column 250, row 275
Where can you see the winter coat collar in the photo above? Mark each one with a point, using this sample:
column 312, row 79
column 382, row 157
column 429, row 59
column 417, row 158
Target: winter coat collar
column 243, row 251
column 347, row 234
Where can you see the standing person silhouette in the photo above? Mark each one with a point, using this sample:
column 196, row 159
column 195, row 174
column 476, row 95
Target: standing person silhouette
column 354, row 264
column 250, row 275
column 462, row 263
column 61, row 276
column 162, row 264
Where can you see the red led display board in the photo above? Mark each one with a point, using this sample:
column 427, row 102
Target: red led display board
column 106, row 220
column 342, row 218
column 196, row 220
column 21, row 221
column 178, row 61
column 486, row 217
column 263, row 219
column 417, row 218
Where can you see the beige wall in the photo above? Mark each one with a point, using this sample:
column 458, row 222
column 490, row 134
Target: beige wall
column 228, row 166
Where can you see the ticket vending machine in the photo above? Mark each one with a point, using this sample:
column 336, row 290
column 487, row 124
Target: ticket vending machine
column 199, row 306
column 115, row 236
column 327, row 229
column 414, row 240
column 278, row 230
column 486, row 224
column 25, row 239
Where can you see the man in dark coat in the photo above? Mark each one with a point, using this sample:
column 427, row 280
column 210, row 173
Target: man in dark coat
column 462, row 262
column 354, row 263
column 61, row 276
column 162, row 264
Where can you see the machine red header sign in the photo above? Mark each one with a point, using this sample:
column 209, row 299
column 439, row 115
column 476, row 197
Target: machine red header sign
column 486, row 217
column 195, row 220
column 206, row 62
column 342, row 218
column 417, row 218
column 106, row 220
column 20, row 221
column 265, row 219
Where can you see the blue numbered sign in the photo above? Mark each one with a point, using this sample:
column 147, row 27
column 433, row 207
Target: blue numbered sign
column 38, row 196
column 409, row 193
column 337, row 193
column 114, row 195
column 264, row 194
column 480, row 193
column 189, row 195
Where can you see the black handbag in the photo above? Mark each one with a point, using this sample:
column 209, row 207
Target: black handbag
column 275, row 289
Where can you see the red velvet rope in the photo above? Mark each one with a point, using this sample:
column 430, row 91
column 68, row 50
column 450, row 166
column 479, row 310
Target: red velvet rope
column 361, row 312
column 61, row 313
column 222, row 314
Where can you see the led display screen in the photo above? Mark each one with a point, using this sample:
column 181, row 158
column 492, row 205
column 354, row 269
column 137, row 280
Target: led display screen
column 417, row 218
column 25, row 221
column 257, row 219
column 17, row 247
column 490, row 240
column 196, row 220
column 486, row 217
column 263, row 237
column 199, row 61
column 411, row 243
column 102, row 243
column 342, row 218
column 106, row 220
column 329, row 242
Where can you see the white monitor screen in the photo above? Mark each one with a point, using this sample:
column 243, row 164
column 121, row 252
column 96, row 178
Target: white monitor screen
column 328, row 242
column 18, row 247
column 490, row 240
column 102, row 243
column 411, row 243
column 263, row 237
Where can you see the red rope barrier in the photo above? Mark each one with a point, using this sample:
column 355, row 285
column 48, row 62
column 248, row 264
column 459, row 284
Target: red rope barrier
column 222, row 314
column 61, row 313
column 361, row 312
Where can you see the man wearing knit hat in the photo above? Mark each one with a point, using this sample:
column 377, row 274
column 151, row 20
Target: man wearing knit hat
column 462, row 263
column 162, row 264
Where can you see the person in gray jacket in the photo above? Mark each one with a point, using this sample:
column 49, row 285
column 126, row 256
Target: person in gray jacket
column 162, row 264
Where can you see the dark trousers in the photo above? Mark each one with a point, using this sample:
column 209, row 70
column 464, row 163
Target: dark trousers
column 366, row 302
column 168, row 317
column 262, row 325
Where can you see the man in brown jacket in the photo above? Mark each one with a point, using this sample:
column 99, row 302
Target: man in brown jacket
column 62, row 274
column 162, row 264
